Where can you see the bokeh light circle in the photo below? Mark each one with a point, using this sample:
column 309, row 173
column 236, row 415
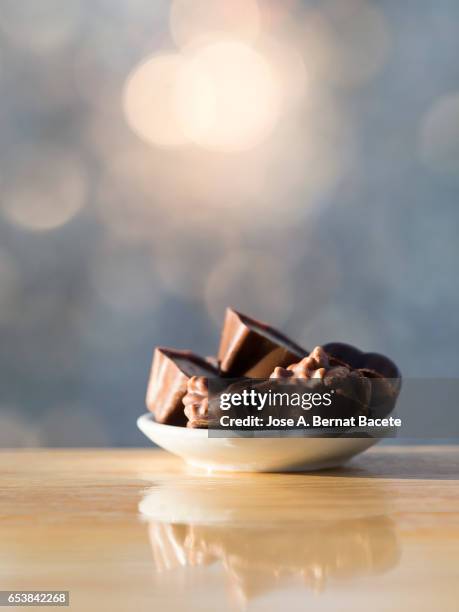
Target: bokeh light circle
column 439, row 135
column 44, row 25
column 10, row 286
column 48, row 189
column 229, row 96
column 260, row 282
column 192, row 21
column 346, row 43
column 124, row 280
column 151, row 100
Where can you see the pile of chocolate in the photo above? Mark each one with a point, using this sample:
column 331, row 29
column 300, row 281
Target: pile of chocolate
column 177, row 391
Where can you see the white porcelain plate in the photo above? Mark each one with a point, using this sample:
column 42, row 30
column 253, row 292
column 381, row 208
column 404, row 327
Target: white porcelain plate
column 242, row 454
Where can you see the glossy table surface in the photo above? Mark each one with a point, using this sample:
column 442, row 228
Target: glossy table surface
column 138, row 530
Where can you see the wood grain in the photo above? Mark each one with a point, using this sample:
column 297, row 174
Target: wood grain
column 381, row 534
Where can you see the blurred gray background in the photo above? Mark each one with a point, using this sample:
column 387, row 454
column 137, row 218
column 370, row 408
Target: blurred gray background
column 159, row 161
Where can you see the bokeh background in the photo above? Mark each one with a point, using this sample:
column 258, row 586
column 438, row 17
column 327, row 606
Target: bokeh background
column 160, row 160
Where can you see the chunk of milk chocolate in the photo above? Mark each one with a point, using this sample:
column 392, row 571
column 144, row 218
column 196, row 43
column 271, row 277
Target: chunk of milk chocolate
column 253, row 349
column 170, row 372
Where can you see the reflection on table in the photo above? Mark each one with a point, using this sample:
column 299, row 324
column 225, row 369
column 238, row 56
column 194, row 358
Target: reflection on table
column 267, row 537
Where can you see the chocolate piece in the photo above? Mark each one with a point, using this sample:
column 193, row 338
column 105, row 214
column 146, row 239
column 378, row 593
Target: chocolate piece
column 253, row 349
column 357, row 359
column 315, row 365
column 196, row 402
column 170, row 372
column 382, row 373
column 202, row 410
column 352, row 388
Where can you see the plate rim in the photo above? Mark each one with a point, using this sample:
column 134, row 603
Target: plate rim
column 147, row 420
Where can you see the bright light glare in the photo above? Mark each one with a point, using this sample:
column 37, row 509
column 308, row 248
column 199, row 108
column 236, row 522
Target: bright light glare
column 224, row 96
column 151, row 101
column 229, row 97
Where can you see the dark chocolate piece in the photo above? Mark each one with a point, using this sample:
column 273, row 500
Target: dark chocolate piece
column 170, row 373
column 253, row 349
column 382, row 373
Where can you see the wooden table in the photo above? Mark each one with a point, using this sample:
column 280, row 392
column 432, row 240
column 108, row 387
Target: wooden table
column 382, row 534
